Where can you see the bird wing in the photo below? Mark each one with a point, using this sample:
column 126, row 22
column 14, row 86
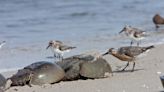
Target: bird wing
column 65, row 47
column 126, row 57
column 131, row 51
column 138, row 34
column 59, row 42
column 125, row 51
column 123, row 56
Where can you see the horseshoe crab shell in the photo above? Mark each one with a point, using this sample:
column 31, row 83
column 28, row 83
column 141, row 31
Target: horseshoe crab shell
column 47, row 73
column 38, row 73
column 96, row 69
column 85, row 65
column 162, row 80
column 71, row 66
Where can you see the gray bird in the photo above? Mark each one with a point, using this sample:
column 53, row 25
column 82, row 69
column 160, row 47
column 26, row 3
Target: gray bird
column 134, row 34
column 59, row 48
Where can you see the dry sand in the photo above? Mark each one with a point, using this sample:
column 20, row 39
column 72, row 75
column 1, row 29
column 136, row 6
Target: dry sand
column 145, row 78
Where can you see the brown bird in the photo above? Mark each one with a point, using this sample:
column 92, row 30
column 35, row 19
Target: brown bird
column 158, row 20
column 128, row 53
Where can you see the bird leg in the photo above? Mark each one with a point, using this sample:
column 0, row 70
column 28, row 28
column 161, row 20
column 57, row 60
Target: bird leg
column 157, row 26
column 60, row 56
column 131, row 43
column 125, row 67
column 133, row 66
column 55, row 55
column 138, row 43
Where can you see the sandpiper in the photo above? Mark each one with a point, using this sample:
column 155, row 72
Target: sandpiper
column 158, row 20
column 59, row 48
column 134, row 33
column 2, row 43
column 128, row 53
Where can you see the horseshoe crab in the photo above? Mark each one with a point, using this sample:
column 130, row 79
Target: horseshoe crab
column 96, row 69
column 38, row 73
column 71, row 67
column 85, row 66
column 162, row 80
column 2, row 82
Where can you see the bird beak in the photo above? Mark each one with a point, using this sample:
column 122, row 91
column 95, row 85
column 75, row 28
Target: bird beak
column 48, row 46
column 105, row 54
column 121, row 31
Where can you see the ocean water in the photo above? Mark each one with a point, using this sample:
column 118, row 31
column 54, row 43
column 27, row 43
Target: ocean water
column 28, row 25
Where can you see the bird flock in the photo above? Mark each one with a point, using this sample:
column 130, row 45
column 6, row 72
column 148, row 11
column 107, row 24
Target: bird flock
column 126, row 53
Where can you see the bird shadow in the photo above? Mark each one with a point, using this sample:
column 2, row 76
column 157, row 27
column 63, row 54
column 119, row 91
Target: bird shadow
column 125, row 71
column 161, row 91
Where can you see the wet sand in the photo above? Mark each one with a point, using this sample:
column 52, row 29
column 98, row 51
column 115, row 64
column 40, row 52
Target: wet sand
column 145, row 78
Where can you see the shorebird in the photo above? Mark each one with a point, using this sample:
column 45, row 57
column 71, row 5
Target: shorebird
column 158, row 20
column 2, row 43
column 134, row 33
column 59, row 48
column 128, row 53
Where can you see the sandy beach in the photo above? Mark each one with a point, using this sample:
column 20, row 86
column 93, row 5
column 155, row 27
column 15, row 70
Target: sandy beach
column 145, row 78
column 90, row 25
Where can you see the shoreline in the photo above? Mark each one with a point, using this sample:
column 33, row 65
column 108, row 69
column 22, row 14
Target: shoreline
column 145, row 78
column 16, row 68
column 21, row 56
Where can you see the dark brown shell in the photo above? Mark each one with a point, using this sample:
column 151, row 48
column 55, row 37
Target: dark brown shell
column 21, row 78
